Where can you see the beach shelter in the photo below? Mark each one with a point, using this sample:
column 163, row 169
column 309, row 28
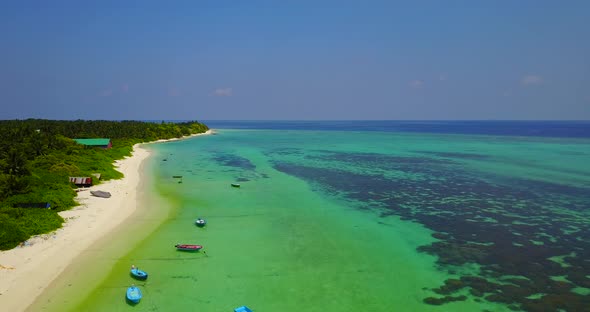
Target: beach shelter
column 81, row 181
column 34, row 205
column 101, row 142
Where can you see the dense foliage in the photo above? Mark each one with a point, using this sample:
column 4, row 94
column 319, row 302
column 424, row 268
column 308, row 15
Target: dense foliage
column 37, row 157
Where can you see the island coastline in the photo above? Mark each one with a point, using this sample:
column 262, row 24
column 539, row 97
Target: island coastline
column 27, row 271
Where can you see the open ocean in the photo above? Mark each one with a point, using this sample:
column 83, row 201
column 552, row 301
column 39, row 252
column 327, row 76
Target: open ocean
column 357, row 216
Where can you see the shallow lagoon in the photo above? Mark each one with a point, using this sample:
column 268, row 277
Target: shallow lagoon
column 349, row 221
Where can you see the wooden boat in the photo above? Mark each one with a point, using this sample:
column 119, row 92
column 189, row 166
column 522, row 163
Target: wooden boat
column 138, row 274
column 235, row 184
column 133, row 294
column 200, row 222
column 101, row 194
column 187, row 247
column 242, row 309
column 177, row 177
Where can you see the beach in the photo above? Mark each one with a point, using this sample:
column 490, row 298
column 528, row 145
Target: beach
column 26, row 271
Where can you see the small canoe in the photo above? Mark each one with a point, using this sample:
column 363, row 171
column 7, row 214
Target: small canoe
column 242, row 309
column 200, row 222
column 187, row 247
column 101, row 194
column 177, row 177
column 133, row 294
column 235, row 184
column 138, row 274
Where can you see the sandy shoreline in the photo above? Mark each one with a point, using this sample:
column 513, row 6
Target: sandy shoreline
column 25, row 272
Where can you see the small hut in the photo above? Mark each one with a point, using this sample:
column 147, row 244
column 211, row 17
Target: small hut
column 81, row 181
column 34, row 205
column 101, row 142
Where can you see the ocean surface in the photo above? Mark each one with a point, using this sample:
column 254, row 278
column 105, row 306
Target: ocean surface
column 357, row 216
column 566, row 129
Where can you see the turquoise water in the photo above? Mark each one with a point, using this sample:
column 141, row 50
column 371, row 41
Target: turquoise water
column 357, row 221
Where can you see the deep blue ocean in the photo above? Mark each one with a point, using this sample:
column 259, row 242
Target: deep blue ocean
column 565, row 129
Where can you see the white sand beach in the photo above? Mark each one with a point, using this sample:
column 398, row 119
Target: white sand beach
column 26, row 271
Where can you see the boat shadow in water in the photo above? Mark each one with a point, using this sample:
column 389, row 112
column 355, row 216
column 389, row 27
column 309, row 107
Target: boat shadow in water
column 130, row 302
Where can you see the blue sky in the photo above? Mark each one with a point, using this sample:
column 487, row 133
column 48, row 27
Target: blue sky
column 295, row 60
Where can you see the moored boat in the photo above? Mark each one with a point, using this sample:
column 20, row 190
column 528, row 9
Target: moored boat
column 101, row 194
column 133, row 294
column 138, row 274
column 188, row 247
column 242, row 309
column 235, row 184
column 200, row 222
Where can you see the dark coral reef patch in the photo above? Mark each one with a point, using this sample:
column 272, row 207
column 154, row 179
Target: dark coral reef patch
column 523, row 234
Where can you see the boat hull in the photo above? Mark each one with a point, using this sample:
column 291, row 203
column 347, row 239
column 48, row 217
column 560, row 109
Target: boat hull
column 184, row 247
column 133, row 294
column 139, row 274
column 102, row 194
column 200, row 223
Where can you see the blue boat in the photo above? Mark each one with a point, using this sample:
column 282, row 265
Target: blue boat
column 242, row 309
column 133, row 294
column 138, row 274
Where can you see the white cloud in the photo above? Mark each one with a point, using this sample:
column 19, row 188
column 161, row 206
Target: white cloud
column 223, row 92
column 416, row 84
column 531, row 80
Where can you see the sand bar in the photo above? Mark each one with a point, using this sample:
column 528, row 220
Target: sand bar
column 26, row 271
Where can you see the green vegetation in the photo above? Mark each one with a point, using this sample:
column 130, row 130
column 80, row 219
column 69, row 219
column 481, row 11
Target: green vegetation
column 38, row 156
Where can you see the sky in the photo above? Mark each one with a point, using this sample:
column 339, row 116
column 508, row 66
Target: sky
column 295, row 60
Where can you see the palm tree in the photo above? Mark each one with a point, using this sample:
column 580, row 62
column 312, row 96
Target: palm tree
column 15, row 163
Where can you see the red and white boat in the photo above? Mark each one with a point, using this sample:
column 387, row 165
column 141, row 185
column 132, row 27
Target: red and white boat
column 187, row 247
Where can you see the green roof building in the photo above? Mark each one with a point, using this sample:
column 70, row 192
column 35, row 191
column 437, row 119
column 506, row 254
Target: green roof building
column 102, row 143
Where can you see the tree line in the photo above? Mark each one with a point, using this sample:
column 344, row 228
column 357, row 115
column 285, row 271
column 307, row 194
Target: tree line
column 38, row 156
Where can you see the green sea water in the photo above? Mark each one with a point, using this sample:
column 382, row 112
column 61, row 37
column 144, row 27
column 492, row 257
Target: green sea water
column 328, row 221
